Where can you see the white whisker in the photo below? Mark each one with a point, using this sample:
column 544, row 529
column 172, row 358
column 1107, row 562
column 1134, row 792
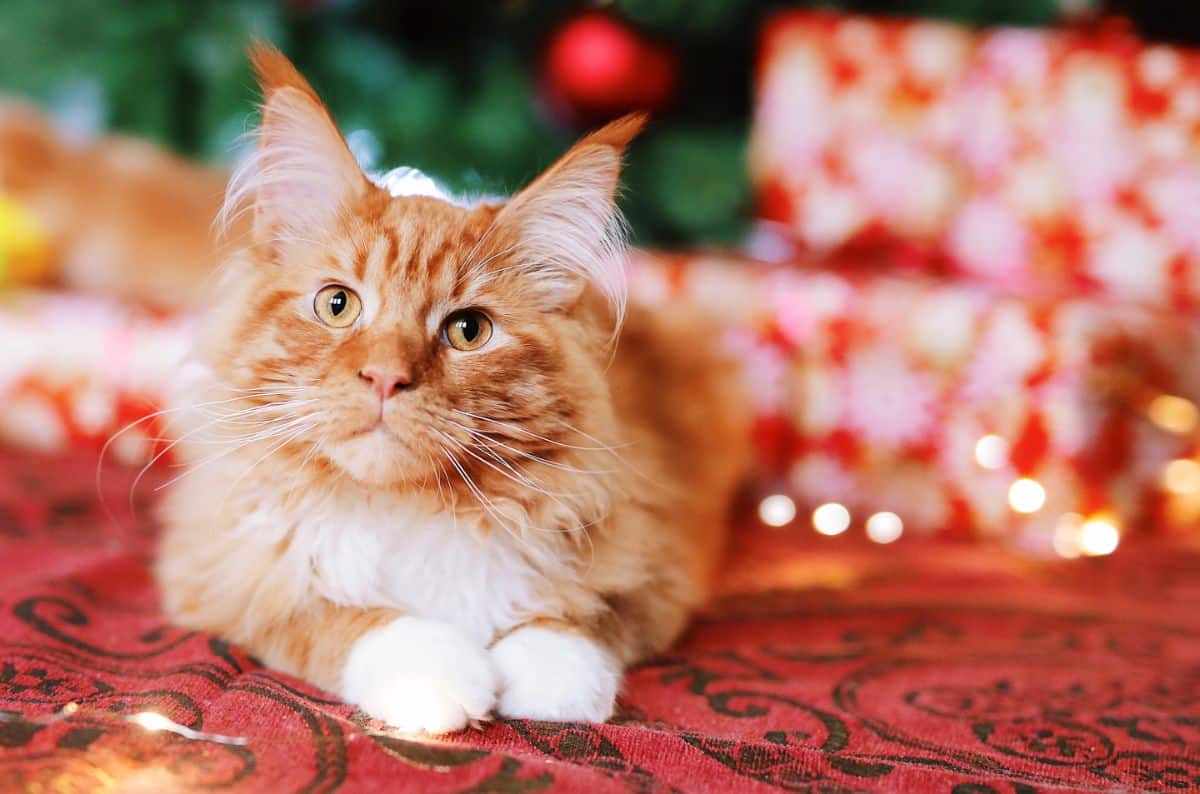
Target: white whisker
column 236, row 445
column 312, row 422
column 511, row 474
column 600, row 446
column 531, row 456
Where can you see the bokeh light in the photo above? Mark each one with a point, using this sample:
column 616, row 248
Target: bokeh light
column 1026, row 496
column 884, row 527
column 1066, row 535
column 831, row 519
column 1173, row 414
column 776, row 510
column 1098, row 536
column 1181, row 476
column 991, row 452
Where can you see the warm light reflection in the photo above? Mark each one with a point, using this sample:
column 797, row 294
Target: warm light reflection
column 152, row 722
column 776, row 510
column 1173, row 414
column 1026, row 496
column 831, row 519
column 1098, row 537
column 1181, row 476
column 991, row 452
column 157, row 722
column 884, row 527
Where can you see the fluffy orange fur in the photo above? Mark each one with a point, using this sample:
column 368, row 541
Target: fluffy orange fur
column 600, row 466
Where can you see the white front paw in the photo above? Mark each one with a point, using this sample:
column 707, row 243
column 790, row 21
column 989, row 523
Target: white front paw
column 420, row 676
column 546, row 674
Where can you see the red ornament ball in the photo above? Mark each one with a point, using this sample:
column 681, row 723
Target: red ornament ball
column 601, row 67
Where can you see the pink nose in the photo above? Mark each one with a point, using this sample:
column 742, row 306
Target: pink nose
column 386, row 382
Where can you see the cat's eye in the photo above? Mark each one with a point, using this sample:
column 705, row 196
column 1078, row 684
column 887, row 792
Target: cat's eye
column 337, row 306
column 468, row 329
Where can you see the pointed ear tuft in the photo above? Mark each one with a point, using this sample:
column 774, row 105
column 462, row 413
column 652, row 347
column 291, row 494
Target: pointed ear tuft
column 302, row 173
column 569, row 230
column 275, row 72
column 617, row 134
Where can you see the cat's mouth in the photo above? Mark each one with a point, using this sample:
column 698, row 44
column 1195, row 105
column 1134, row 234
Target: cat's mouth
column 372, row 453
column 377, row 428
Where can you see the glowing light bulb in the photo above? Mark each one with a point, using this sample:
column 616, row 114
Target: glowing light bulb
column 1181, row 476
column 1173, row 414
column 1098, row 537
column 1026, row 495
column 991, row 452
column 831, row 519
column 884, row 527
column 157, row 722
column 151, row 721
column 776, row 510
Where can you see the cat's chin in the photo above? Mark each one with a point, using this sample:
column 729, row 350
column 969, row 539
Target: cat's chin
column 375, row 457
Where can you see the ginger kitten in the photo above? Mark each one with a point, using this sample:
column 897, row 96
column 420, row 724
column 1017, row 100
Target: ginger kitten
column 419, row 473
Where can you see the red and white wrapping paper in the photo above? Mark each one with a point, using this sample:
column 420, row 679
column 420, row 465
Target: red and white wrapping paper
column 1054, row 161
column 78, row 369
column 874, row 391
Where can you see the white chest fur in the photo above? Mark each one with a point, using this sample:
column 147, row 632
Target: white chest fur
column 403, row 552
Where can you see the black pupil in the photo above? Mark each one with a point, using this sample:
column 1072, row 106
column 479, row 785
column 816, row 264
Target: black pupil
column 337, row 303
column 468, row 324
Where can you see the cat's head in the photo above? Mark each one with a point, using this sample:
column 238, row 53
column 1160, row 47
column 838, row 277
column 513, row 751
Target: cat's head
column 386, row 335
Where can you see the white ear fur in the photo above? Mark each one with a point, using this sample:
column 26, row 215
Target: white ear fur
column 302, row 173
column 569, row 230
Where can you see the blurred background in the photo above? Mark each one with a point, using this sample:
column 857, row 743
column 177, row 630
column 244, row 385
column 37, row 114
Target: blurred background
column 480, row 94
column 953, row 242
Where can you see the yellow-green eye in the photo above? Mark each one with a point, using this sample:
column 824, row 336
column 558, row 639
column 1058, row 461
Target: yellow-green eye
column 337, row 306
column 469, row 329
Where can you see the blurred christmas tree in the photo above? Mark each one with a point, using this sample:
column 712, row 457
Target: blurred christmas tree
column 481, row 95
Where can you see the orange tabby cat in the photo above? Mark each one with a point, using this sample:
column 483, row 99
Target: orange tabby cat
column 420, row 475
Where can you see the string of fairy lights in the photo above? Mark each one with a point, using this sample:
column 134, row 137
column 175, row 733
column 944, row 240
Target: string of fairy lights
column 1074, row 535
column 830, row 519
column 150, row 721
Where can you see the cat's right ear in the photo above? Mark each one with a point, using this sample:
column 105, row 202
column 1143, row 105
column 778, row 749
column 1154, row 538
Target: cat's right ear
column 302, row 174
column 569, row 231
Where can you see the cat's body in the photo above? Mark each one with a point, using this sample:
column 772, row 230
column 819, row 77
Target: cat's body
column 431, row 526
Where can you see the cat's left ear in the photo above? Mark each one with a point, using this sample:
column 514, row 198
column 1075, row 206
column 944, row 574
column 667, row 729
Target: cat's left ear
column 569, row 231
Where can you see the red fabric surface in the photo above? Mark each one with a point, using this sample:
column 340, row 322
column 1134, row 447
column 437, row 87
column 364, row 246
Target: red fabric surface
column 836, row 669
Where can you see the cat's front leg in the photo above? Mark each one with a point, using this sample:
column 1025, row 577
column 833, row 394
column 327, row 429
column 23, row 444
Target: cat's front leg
column 421, row 676
column 551, row 670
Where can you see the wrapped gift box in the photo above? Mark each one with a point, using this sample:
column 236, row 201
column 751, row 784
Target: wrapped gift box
column 943, row 406
column 82, row 371
column 1040, row 161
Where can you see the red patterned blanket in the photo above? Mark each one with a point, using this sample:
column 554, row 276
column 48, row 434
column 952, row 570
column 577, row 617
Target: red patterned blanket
column 913, row 669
